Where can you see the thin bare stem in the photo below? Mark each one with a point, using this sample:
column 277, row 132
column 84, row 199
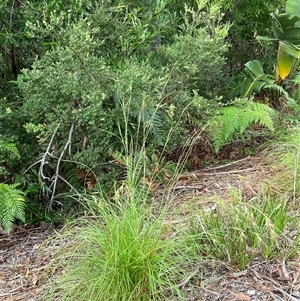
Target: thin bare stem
column 43, row 161
column 56, row 176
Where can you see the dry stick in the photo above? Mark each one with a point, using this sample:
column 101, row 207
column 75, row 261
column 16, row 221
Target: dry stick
column 226, row 165
column 224, row 172
column 38, row 161
column 47, row 152
column 56, row 176
column 188, row 278
column 82, row 64
column 275, row 288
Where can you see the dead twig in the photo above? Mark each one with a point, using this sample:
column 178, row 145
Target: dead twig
column 56, row 175
column 227, row 165
column 43, row 161
column 236, row 171
column 188, row 278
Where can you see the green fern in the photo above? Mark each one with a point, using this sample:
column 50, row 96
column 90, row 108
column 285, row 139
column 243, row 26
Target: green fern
column 8, row 153
column 156, row 127
column 234, row 120
column 12, row 205
column 8, row 147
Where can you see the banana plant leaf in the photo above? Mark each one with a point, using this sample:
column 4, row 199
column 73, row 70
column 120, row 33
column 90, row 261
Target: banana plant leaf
column 293, row 7
column 285, row 28
column 284, row 62
column 290, row 49
column 256, row 79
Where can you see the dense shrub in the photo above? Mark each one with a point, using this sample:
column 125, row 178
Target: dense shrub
column 97, row 86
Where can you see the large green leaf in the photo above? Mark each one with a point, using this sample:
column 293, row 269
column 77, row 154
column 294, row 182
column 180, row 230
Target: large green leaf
column 293, row 7
column 285, row 28
column 255, row 67
column 258, row 77
column 284, row 63
column 290, row 49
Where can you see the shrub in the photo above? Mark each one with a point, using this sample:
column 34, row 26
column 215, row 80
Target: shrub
column 82, row 96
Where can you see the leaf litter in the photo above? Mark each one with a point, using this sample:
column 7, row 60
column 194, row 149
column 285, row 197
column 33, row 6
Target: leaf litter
column 26, row 256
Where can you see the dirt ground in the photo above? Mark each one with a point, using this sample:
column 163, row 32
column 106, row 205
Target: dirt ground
column 26, row 255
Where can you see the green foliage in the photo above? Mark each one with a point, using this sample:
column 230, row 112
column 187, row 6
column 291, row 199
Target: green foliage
column 121, row 256
column 246, row 25
column 233, row 120
column 286, row 152
column 8, row 153
column 12, row 205
column 186, row 58
column 100, row 84
column 241, row 231
column 286, row 31
column 257, row 80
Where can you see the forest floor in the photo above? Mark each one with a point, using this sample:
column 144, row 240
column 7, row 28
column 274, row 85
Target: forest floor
column 28, row 254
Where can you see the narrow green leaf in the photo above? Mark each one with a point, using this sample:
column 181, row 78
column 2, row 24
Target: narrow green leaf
column 264, row 38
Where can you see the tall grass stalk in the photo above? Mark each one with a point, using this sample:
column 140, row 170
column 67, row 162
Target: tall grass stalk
column 285, row 156
column 125, row 252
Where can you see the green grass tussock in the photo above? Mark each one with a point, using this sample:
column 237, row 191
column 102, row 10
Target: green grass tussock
column 124, row 255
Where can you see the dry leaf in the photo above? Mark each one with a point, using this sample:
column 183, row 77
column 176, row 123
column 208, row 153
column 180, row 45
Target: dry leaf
column 285, row 274
column 242, row 296
column 35, row 279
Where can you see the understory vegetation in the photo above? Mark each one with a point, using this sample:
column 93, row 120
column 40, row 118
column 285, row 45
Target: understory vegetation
column 105, row 104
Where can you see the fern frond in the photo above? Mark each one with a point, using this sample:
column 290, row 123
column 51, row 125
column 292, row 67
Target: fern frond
column 12, row 205
column 156, row 127
column 233, row 120
column 277, row 88
column 8, row 147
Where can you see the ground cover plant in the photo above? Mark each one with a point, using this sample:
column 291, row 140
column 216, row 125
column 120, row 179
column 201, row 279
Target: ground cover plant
column 104, row 106
column 240, row 231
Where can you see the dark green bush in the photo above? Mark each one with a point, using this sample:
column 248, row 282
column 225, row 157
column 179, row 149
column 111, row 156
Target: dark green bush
column 102, row 87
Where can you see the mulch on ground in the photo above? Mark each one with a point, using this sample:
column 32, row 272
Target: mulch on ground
column 26, row 256
column 24, row 259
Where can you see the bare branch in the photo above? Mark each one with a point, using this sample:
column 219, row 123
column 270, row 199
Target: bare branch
column 56, row 176
column 43, row 161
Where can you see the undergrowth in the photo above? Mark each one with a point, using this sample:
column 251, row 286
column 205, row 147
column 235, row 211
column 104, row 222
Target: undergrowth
column 127, row 249
column 12, row 205
column 240, row 231
column 234, row 120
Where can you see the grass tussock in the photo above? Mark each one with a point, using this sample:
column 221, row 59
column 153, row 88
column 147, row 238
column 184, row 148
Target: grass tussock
column 125, row 255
